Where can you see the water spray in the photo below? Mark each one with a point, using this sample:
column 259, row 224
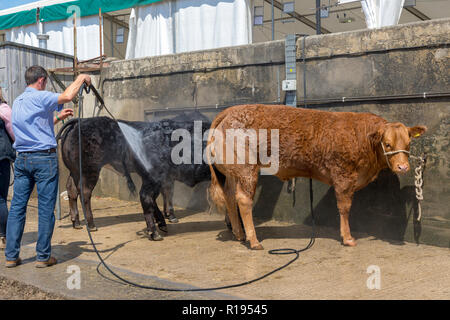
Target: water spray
column 284, row 251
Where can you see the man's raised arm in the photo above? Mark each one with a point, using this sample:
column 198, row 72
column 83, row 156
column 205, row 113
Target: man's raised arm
column 72, row 90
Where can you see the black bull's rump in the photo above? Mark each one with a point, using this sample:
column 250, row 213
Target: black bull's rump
column 103, row 144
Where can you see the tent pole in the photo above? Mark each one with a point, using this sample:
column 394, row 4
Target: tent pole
column 100, row 26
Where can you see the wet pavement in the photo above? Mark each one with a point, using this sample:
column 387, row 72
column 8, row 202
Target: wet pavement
column 199, row 252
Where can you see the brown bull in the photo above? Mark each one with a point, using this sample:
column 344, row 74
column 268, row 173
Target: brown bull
column 346, row 150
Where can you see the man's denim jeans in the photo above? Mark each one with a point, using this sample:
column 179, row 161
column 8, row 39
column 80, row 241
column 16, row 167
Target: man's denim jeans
column 40, row 169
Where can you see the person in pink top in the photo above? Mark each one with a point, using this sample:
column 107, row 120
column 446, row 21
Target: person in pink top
column 5, row 115
column 7, row 155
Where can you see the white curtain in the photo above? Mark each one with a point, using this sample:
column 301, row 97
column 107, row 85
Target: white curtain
column 188, row 25
column 61, row 37
column 382, row 13
column 23, row 35
column 150, row 31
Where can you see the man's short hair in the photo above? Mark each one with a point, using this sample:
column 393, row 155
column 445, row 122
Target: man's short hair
column 34, row 73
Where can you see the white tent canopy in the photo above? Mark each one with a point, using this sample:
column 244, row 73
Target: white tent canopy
column 380, row 13
column 61, row 36
column 60, row 32
column 32, row 5
column 186, row 25
column 164, row 27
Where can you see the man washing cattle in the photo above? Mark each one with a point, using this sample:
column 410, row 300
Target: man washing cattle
column 37, row 161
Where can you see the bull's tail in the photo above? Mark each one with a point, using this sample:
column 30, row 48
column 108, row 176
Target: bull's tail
column 130, row 183
column 66, row 128
column 216, row 188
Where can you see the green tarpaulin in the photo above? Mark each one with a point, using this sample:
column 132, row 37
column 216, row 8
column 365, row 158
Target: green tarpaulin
column 17, row 19
column 63, row 11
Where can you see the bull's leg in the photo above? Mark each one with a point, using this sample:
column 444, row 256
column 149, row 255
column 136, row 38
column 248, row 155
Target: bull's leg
column 89, row 182
column 87, row 193
column 167, row 192
column 72, row 193
column 159, row 217
column 232, row 210
column 344, row 203
column 244, row 197
column 148, row 204
column 228, row 222
column 87, row 205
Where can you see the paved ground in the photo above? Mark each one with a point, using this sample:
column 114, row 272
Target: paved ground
column 199, row 252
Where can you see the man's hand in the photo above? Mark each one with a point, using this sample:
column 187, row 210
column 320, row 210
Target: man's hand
column 63, row 115
column 73, row 89
column 85, row 78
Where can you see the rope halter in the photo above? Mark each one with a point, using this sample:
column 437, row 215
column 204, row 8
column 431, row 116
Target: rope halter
column 418, row 175
column 390, row 153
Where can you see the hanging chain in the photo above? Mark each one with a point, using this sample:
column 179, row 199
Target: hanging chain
column 418, row 182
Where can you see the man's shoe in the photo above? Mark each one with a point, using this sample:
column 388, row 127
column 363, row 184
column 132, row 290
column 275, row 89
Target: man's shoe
column 2, row 243
column 13, row 263
column 44, row 264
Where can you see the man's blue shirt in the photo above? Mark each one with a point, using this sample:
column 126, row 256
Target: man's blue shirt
column 32, row 120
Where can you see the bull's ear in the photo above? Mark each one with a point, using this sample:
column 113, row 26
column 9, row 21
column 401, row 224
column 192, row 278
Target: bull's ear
column 417, row 131
column 375, row 137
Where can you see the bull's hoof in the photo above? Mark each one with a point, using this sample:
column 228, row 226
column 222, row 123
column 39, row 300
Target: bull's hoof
column 173, row 219
column 169, row 214
column 155, row 236
column 163, row 227
column 257, row 247
column 239, row 236
column 92, row 228
column 76, row 225
column 349, row 242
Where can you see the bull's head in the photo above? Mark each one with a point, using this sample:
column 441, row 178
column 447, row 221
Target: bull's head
column 393, row 140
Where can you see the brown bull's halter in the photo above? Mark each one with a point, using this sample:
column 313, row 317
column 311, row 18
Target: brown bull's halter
column 386, row 154
column 418, row 175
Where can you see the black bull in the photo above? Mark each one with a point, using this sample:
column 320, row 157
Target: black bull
column 103, row 144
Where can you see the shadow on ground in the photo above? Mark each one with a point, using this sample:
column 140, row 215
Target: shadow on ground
column 382, row 209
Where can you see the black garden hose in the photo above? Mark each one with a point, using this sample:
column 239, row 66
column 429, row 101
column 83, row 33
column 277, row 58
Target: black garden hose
column 284, row 251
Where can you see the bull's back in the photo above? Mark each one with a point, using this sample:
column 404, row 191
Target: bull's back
column 309, row 140
column 102, row 142
column 294, row 119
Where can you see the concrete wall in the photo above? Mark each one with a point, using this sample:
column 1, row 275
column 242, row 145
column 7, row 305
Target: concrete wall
column 395, row 61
